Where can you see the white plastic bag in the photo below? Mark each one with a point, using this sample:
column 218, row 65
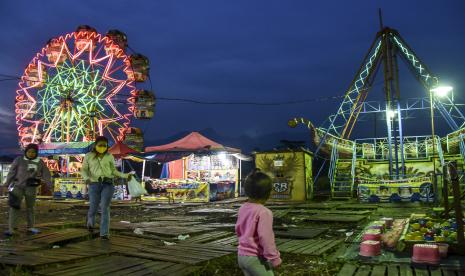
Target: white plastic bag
column 138, row 231
column 183, row 237
column 135, row 189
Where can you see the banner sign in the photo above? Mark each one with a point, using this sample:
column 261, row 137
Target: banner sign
column 401, row 190
column 222, row 190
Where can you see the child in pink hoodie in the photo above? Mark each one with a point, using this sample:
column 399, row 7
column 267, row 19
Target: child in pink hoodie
column 257, row 253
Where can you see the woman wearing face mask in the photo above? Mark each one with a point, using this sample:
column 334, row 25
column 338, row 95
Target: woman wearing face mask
column 98, row 171
column 26, row 174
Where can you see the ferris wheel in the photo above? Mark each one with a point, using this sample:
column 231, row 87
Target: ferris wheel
column 82, row 85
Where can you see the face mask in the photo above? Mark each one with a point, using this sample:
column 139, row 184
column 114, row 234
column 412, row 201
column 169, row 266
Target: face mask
column 101, row 149
column 34, row 155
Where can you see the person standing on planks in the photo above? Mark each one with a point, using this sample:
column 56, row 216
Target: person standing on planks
column 26, row 174
column 98, row 171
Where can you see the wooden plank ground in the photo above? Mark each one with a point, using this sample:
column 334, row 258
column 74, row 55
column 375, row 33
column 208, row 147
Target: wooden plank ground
column 124, row 204
column 163, row 207
column 174, row 231
column 17, row 246
column 280, row 213
column 231, row 200
column 332, row 212
column 81, row 206
column 187, row 204
column 167, row 223
column 208, row 237
column 181, row 252
column 184, row 253
column 213, row 210
column 47, row 207
column 220, row 225
column 328, row 205
column 130, row 243
column 400, row 205
column 357, row 206
column 303, row 211
column 276, row 207
column 349, row 269
column 144, row 235
column 313, row 247
column 119, row 266
column 118, row 225
column 335, row 218
column 69, row 202
column 300, row 233
column 182, row 218
column 46, row 257
column 61, row 224
column 58, row 236
column 229, row 241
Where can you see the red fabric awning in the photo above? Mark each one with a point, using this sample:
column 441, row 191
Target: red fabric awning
column 194, row 142
column 119, row 150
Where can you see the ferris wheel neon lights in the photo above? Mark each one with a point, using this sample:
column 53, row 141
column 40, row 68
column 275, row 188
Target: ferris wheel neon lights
column 78, row 86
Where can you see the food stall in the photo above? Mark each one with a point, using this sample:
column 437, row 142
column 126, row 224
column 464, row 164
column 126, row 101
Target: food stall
column 196, row 169
column 5, row 164
column 64, row 161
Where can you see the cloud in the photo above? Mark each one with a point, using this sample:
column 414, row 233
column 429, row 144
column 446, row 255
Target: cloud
column 6, row 113
column 8, row 131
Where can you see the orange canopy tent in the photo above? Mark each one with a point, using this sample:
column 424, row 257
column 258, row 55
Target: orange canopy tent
column 193, row 143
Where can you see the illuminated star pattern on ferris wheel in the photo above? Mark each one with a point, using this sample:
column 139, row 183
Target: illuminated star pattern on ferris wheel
column 75, row 91
column 83, row 88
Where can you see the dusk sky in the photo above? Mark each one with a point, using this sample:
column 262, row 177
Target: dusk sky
column 239, row 50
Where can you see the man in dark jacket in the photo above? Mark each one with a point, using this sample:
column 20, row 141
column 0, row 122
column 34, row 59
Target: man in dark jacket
column 26, row 174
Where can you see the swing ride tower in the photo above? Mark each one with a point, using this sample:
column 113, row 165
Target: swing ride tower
column 395, row 167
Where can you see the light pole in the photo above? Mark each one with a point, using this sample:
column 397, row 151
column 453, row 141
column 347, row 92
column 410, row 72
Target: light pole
column 438, row 91
column 390, row 117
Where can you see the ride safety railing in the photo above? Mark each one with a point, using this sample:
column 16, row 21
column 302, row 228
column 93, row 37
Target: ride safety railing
column 414, row 147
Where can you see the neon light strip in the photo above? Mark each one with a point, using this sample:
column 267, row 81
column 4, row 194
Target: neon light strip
column 49, row 97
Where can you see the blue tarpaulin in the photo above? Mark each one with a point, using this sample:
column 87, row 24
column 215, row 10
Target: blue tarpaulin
column 165, row 172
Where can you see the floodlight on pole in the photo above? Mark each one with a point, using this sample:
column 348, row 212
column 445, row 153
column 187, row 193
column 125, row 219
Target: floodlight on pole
column 441, row 91
column 391, row 113
column 438, row 91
